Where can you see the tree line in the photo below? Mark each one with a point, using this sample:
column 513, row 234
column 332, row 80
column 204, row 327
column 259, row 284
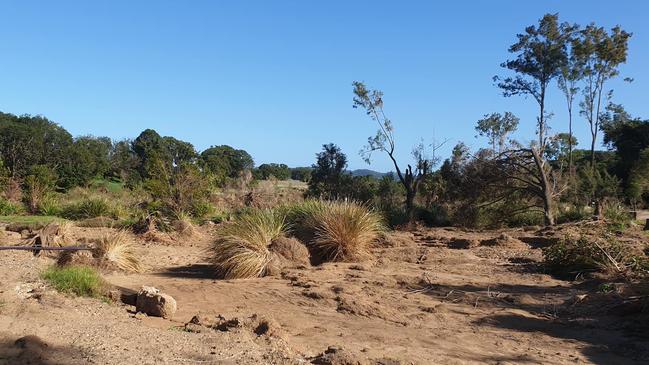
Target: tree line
column 547, row 179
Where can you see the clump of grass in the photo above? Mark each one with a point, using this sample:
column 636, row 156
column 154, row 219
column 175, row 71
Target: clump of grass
column 9, row 208
column 337, row 230
column 88, row 208
column 78, row 280
column 618, row 218
column 242, row 249
column 117, row 250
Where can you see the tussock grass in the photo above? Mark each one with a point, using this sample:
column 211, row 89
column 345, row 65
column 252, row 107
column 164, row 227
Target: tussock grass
column 337, row 230
column 117, row 250
column 91, row 207
column 78, row 280
column 242, row 251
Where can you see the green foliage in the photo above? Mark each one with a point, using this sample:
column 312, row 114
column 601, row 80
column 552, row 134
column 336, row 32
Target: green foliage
column 34, row 220
column 301, row 173
column 617, row 217
column 225, row 162
column 49, row 205
column 181, row 189
column 573, row 215
column 40, row 182
column 26, row 141
column 496, row 127
column 525, row 219
column 77, row 280
column 91, row 207
column 9, row 208
column 328, row 175
column 278, row 171
column 88, row 159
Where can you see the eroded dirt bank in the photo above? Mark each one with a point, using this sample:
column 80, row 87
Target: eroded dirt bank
column 433, row 296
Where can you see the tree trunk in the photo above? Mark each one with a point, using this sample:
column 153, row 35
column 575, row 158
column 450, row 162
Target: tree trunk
column 546, row 188
column 592, row 152
column 599, row 209
column 410, row 205
column 570, row 141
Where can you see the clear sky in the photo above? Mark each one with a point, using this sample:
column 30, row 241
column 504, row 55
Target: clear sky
column 274, row 77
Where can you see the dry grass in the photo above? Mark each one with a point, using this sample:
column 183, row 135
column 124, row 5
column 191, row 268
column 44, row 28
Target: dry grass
column 339, row 230
column 242, row 249
column 117, row 250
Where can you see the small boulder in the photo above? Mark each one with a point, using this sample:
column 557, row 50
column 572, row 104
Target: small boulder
column 154, row 303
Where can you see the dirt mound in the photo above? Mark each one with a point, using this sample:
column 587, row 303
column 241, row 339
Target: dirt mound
column 291, row 250
column 504, row 240
column 338, row 356
column 463, row 243
column 287, row 252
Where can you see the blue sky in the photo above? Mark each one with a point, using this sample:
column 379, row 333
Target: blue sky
column 274, row 77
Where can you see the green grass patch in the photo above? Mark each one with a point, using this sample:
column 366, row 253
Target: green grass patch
column 78, row 280
column 29, row 219
column 109, row 185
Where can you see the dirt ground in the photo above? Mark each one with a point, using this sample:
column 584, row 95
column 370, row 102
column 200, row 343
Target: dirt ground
column 432, row 296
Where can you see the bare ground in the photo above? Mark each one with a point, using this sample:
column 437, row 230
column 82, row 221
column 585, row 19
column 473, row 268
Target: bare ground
column 432, row 296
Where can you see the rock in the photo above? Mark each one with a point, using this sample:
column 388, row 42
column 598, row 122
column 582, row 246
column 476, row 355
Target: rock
column 154, row 303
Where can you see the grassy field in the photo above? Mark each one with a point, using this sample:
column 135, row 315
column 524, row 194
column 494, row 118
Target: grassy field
column 29, row 219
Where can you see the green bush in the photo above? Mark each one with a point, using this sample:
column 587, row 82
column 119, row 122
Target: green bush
column 77, row 280
column 49, row 206
column 9, row 208
column 435, row 216
column 572, row 215
column 529, row 218
column 617, row 217
column 88, row 208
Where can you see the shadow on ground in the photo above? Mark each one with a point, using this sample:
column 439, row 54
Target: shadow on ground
column 194, row 271
column 605, row 344
column 34, row 351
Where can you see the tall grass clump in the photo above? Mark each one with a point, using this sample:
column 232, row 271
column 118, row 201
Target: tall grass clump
column 117, row 250
column 8, row 207
column 241, row 251
column 88, row 208
column 79, row 280
column 337, row 230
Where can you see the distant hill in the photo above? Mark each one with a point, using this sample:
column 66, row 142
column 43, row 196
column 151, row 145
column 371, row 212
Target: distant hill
column 366, row 172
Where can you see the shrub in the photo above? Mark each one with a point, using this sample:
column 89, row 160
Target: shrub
column 617, row 217
column 88, row 208
column 9, row 208
column 572, row 215
column 118, row 251
column 49, row 205
column 572, row 256
column 528, row 218
column 337, row 230
column 242, row 249
column 78, row 280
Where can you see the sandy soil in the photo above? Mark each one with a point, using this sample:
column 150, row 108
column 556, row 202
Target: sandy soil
column 432, row 296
